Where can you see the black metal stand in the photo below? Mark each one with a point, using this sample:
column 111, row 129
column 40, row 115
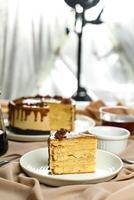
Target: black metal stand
column 81, row 94
column 80, row 21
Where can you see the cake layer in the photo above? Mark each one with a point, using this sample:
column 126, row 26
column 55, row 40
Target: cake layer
column 79, row 153
column 62, row 116
column 75, row 167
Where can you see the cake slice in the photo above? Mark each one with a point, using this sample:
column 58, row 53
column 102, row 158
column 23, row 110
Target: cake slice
column 71, row 153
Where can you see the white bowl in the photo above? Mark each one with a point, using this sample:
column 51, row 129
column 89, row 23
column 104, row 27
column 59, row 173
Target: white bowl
column 109, row 138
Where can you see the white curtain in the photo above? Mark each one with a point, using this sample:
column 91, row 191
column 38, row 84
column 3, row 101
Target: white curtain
column 36, row 56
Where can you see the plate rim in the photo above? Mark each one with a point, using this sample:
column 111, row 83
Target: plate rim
column 25, row 138
column 29, row 138
column 55, row 178
column 88, row 118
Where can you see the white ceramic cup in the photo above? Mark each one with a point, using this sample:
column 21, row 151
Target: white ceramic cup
column 109, row 138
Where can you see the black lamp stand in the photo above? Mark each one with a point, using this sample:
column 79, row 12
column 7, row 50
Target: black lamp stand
column 81, row 94
column 80, row 6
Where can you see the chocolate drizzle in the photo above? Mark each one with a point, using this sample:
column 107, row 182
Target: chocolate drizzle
column 22, row 115
column 22, row 111
column 18, row 113
column 60, row 134
column 26, row 113
column 22, row 107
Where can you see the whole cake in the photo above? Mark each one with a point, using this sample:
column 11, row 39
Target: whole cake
column 71, row 153
column 39, row 114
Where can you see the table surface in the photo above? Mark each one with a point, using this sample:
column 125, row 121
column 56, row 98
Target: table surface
column 15, row 184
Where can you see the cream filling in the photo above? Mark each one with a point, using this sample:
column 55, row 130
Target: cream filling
column 74, row 154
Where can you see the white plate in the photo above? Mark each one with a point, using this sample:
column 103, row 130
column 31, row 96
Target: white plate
column 82, row 123
column 26, row 138
column 35, row 164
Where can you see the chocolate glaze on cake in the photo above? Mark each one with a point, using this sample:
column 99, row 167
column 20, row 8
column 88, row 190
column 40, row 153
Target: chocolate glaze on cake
column 35, row 104
column 26, row 109
column 37, row 107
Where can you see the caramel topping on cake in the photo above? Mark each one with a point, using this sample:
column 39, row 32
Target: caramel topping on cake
column 60, row 134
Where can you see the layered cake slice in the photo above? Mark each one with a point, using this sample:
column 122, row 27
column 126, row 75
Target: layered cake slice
column 40, row 114
column 71, row 153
